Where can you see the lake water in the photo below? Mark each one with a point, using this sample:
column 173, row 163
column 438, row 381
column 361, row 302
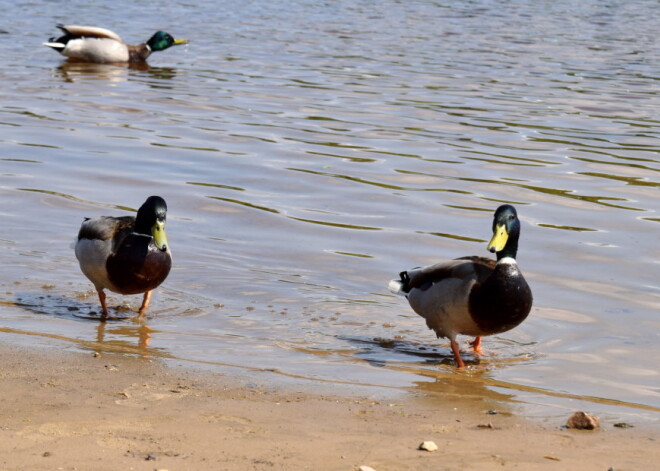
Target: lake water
column 309, row 151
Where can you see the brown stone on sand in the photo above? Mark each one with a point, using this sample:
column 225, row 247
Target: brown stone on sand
column 583, row 421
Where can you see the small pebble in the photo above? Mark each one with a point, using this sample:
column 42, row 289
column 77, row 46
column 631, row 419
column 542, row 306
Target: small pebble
column 428, row 446
column 366, row 468
column 583, row 421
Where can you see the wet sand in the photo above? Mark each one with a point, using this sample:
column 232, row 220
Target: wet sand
column 72, row 410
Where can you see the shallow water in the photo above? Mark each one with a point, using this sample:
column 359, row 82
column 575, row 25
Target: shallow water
column 310, row 151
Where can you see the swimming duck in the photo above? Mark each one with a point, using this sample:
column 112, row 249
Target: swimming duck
column 474, row 296
column 127, row 255
column 100, row 45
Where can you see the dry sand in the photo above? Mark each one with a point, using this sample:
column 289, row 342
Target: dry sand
column 76, row 411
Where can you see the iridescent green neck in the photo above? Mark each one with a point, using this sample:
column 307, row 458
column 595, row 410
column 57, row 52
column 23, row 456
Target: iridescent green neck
column 510, row 250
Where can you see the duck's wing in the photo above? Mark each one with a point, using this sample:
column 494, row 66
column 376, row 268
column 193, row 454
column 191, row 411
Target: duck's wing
column 481, row 266
column 475, row 268
column 112, row 229
column 76, row 31
column 98, row 239
column 440, row 293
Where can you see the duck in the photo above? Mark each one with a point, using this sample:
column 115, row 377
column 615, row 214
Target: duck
column 126, row 254
column 101, row 46
column 475, row 296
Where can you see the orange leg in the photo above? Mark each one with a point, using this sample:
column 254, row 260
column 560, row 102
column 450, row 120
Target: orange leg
column 457, row 354
column 477, row 345
column 145, row 303
column 103, row 305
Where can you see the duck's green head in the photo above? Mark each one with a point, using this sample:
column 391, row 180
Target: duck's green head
column 162, row 40
column 150, row 220
column 506, row 231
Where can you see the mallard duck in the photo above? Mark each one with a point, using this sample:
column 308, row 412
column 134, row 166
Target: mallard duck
column 100, row 45
column 474, row 296
column 127, row 255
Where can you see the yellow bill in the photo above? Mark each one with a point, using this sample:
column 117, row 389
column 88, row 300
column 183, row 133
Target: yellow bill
column 178, row 42
column 158, row 233
column 499, row 239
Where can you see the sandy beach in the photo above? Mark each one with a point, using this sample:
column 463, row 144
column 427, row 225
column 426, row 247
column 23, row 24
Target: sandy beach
column 83, row 411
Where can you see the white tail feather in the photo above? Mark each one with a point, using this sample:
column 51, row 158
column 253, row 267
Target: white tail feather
column 396, row 286
column 55, row 45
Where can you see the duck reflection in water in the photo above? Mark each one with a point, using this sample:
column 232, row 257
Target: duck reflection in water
column 139, row 330
column 80, row 71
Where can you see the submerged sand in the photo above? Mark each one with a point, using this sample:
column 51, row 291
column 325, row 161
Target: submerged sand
column 79, row 411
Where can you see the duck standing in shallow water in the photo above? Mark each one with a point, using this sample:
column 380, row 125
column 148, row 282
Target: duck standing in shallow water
column 474, row 296
column 100, row 45
column 127, row 255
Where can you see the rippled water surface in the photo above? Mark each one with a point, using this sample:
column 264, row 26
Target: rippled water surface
column 309, row 151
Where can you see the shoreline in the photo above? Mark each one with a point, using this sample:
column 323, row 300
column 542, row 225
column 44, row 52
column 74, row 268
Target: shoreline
column 76, row 410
